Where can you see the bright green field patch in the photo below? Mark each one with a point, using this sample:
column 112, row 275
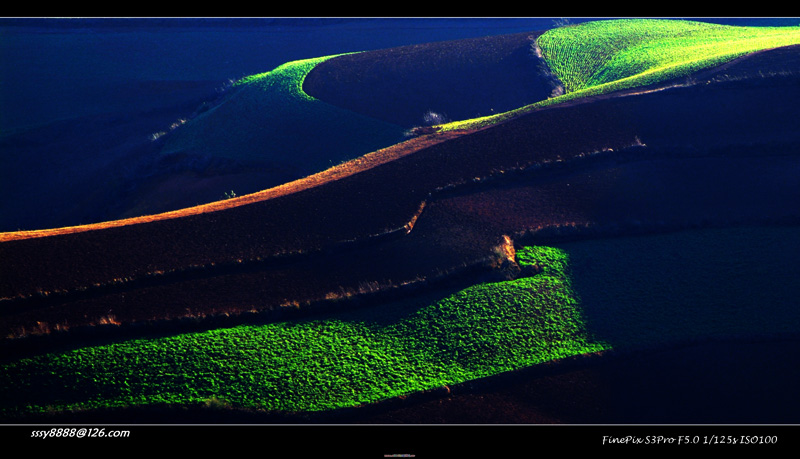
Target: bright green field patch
column 269, row 118
column 649, row 50
column 337, row 361
column 604, row 56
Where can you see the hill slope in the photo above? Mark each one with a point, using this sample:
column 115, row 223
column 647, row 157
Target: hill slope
column 456, row 79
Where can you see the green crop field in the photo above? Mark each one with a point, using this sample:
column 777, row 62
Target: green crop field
column 625, row 293
column 604, row 56
column 335, row 361
column 629, row 53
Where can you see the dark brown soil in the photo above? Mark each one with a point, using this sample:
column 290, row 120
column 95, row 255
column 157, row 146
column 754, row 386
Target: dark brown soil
column 715, row 383
column 458, row 79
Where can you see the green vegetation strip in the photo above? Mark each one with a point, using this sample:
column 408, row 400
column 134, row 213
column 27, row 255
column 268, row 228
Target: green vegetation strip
column 604, row 56
column 337, row 361
column 626, row 293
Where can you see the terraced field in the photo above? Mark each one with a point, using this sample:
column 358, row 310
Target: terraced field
column 566, row 235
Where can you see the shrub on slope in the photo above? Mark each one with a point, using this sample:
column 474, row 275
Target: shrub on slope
column 267, row 118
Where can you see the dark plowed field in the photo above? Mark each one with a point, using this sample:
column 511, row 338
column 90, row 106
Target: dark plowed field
column 459, row 79
column 730, row 383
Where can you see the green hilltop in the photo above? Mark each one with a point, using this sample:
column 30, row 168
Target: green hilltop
column 599, row 57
